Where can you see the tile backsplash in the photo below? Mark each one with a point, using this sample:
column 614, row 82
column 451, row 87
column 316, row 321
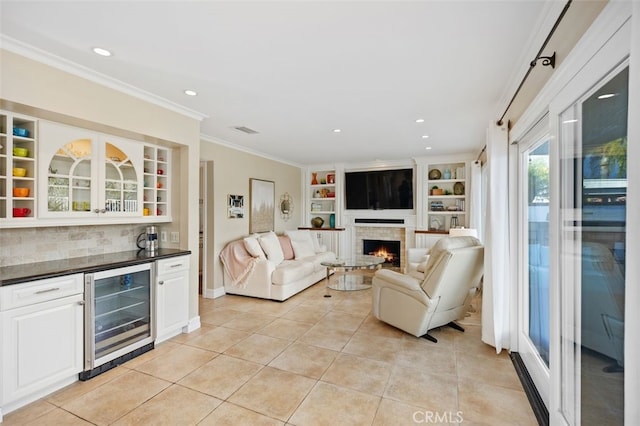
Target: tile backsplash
column 30, row 245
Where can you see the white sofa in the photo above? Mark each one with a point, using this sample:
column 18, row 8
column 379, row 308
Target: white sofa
column 273, row 267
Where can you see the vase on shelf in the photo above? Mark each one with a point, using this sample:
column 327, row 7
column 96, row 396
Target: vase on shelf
column 317, row 222
column 447, row 174
column 314, row 178
column 332, row 220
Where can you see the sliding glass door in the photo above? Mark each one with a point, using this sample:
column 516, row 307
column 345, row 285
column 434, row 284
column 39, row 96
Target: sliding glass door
column 593, row 184
column 533, row 281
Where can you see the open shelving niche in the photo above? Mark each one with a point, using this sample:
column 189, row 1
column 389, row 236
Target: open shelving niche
column 9, row 161
column 449, row 202
column 321, row 196
column 156, row 181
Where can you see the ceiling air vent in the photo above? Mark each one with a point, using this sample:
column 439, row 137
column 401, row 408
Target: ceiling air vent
column 245, row 130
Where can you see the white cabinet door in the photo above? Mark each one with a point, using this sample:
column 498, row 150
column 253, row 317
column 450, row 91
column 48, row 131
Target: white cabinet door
column 172, row 297
column 41, row 346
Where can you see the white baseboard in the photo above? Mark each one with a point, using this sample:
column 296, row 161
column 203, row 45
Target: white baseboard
column 213, row 294
column 194, row 324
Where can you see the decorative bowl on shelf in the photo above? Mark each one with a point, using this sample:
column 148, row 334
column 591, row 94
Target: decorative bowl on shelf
column 19, row 131
column 317, row 222
column 458, row 188
column 20, row 152
column 435, row 174
column 19, row 172
column 20, row 192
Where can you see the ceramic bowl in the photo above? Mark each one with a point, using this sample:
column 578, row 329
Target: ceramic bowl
column 21, row 212
column 19, row 131
column 20, row 192
column 20, row 152
column 19, row 172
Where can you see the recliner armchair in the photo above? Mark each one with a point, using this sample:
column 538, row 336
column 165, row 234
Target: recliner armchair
column 452, row 273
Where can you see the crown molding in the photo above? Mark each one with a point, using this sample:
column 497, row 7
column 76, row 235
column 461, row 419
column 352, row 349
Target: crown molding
column 44, row 57
column 218, row 141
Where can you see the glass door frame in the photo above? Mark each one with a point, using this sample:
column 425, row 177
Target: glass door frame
column 538, row 370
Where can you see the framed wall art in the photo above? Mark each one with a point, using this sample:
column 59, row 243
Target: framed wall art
column 262, row 199
column 236, row 206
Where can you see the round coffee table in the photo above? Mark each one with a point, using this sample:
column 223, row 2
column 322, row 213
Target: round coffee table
column 350, row 282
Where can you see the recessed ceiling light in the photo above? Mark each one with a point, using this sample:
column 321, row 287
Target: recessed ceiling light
column 570, row 121
column 100, row 51
column 190, row 92
column 427, row 148
column 607, row 95
column 336, row 130
column 425, row 136
column 420, row 120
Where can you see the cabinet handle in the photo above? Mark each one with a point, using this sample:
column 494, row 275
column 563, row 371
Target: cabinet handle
column 96, row 210
column 47, row 290
column 103, row 210
column 81, row 303
column 161, row 282
column 177, row 265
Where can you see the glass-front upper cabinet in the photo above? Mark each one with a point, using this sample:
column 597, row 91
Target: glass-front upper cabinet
column 88, row 174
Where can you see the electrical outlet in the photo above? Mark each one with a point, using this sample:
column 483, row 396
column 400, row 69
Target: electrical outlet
column 175, row 237
column 163, row 236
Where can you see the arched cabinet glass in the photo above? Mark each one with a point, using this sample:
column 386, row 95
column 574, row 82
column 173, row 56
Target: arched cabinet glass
column 69, row 177
column 90, row 174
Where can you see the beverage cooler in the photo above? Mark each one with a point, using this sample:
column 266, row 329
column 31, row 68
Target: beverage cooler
column 118, row 317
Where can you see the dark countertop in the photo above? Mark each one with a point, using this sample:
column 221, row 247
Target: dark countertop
column 16, row 274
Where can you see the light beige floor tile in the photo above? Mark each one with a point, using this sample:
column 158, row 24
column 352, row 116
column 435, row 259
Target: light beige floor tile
column 74, row 390
column 57, row 417
column 219, row 316
column 307, row 360
column 483, row 403
column 330, row 338
column 116, row 398
column 374, row 347
column 221, row 376
column 274, row 393
column 304, row 313
column 362, row 374
column 28, row 413
column 219, row 339
column 285, row 329
column 497, row 370
column 328, row 404
column 393, row 413
column 272, row 307
column 229, row 414
column 250, row 322
column 372, row 325
column 177, row 363
column 422, row 354
column 342, row 320
column 175, row 405
column 183, row 338
column 158, row 350
column 471, row 342
column 434, row 392
column 258, row 348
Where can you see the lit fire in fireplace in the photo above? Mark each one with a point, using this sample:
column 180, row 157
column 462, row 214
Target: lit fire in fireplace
column 382, row 252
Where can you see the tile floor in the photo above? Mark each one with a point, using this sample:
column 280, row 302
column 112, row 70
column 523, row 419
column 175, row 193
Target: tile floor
column 307, row 361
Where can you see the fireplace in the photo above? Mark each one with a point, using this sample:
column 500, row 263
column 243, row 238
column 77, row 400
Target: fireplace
column 390, row 250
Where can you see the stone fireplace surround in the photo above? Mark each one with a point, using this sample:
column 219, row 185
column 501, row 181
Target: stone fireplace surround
column 403, row 232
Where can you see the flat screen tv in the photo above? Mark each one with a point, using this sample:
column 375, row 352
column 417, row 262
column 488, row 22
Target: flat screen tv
column 379, row 189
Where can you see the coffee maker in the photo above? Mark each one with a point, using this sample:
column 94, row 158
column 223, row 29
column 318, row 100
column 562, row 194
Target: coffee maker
column 148, row 240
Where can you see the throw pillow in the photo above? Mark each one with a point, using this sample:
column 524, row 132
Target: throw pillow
column 302, row 243
column 287, row 248
column 271, row 246
column 253, row 247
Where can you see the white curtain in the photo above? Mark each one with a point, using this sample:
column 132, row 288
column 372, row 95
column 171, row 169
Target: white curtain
column 476, row 198
column 496, row 289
